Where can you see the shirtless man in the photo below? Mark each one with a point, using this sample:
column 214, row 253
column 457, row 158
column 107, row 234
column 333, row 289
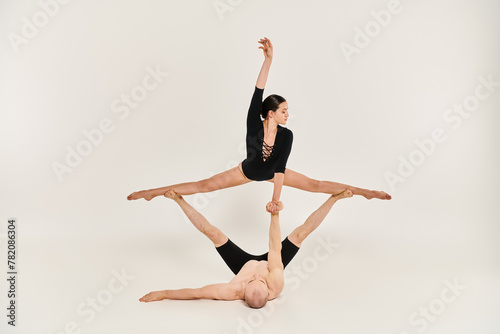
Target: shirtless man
column 258, row 278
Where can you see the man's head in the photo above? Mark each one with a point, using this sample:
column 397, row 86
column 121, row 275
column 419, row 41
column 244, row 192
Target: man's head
column 256, row 292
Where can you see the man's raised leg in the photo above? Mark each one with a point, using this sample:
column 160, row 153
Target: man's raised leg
column 316, row 218
column 200, row 222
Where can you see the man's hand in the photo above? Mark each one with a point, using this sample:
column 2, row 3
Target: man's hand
column 170, row 193
column 274, row 207
column 153, row 296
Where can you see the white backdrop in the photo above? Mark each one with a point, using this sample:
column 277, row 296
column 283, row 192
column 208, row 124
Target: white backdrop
column 401, row 96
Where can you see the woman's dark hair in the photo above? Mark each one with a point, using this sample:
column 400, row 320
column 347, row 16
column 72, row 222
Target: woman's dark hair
column 271, row 103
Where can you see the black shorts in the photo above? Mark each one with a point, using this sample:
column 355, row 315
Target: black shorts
column 235, row 257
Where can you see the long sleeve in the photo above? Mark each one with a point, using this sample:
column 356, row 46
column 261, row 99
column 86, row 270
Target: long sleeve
column 284, row 153
column 253, row 117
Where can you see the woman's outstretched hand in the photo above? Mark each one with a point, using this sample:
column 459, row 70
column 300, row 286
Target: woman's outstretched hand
column 274, row 207
column 267, row 47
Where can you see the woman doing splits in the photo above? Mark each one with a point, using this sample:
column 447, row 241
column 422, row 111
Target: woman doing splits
column 268, row 146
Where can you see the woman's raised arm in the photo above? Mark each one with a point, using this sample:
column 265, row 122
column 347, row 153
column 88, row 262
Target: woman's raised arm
column 267, row 48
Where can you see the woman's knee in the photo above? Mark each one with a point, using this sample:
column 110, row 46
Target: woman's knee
column 315, row 185
column 207, row 185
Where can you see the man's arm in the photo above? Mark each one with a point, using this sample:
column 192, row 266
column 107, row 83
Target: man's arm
column 275, row 280
column 221, row 291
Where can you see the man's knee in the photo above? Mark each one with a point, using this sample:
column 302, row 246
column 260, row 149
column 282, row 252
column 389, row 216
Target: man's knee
column 215, row 235
column 298, row 236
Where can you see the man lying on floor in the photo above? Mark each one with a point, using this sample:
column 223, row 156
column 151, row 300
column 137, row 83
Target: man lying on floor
column 258, row 278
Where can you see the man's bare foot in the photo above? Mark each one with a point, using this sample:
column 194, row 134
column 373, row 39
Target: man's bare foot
column 172, row 194
column 146, row 194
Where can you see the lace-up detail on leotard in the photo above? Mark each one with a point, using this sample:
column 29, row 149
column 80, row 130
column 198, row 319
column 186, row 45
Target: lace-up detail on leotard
column 264, row 161
column 267, row 151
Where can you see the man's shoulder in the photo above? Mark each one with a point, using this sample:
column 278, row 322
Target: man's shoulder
column 236, row 287
column 275, row 282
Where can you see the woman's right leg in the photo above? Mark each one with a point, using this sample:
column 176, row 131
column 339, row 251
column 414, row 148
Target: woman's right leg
column 230, row 178
column 302, row 182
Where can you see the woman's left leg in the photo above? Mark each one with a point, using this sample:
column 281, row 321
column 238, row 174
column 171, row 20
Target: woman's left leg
column 302, row 182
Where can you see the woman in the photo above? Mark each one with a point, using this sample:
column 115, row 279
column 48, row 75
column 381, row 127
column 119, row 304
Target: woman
column 268, row 147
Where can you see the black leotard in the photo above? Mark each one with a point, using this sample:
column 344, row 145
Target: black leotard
column 259, row 165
